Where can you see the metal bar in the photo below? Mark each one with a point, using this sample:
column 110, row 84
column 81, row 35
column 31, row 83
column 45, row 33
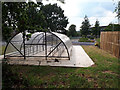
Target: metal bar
column 28, row 51
column 54, row 48
column 24, row 43
column 8, row 44
column 59, row 56
column 33, row 50
column 40, row 56
column 35, row 44
column 45, row 46
column 41, row 37
column 64, row 45
column 21, row 46
column 16, row 49
column 43, row 42
column 37, row 49
column 35, row 37
column 26, row 56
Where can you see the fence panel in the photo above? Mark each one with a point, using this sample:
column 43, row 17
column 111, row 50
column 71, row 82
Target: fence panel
column 110, row 42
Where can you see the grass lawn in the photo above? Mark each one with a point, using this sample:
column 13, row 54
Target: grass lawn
column 104, row 74
column 2, row 48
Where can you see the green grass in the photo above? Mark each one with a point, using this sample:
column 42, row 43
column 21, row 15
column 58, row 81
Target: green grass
column 85, row 40
column 98, row 41
column 104, row 74
column 2, row 48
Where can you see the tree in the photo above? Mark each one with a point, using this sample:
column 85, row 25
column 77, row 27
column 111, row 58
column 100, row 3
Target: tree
column 96, row 29
column 19, row 17
column 117, row 10
column 85, row 27
column 72, row 31
column 13, row 17
column 55, row 18
column 36, row 20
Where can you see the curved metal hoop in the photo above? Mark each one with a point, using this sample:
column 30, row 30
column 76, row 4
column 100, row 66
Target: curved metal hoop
column 47, row 55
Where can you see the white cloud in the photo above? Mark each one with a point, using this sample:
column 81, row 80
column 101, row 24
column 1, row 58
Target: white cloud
column 75, row 20
column 70, row 7
column 73, row 9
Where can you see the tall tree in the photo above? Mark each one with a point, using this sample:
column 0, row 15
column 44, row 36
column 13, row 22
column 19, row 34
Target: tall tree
column 36, row 20
column 117, row 10
column 13, row 18
column 54, row 15
column 85, row 28
column 72, row 30
column 96, row 29
column 18, row 17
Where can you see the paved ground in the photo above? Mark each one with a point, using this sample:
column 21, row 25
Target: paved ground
column 79, row 58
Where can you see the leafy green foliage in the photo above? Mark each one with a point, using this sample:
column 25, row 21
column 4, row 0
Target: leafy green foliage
column 54, row 16
column 19, row 17
column 117, row 10
column 14, row 16
column 36, row 20
column 85, row 27
column 72, row 31
column 96, row 29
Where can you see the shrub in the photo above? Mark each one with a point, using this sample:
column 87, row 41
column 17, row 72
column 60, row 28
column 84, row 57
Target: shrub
column 85, row 40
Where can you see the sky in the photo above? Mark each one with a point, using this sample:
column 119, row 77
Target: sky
column 75, row 10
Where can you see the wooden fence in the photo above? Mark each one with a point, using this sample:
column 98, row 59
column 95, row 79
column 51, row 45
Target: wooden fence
column 110, row 42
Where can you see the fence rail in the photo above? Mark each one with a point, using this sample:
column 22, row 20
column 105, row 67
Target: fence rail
column 110, row 42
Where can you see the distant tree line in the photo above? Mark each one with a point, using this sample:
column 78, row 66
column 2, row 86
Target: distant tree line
column 94, row 31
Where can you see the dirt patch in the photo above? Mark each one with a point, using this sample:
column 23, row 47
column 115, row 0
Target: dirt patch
column 109, row 72
column 94, row 65
column 90, row 79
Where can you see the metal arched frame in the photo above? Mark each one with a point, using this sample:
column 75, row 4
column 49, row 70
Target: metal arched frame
column 9, row 42
column 32, row 40
column 63, row 43
column 44, row 36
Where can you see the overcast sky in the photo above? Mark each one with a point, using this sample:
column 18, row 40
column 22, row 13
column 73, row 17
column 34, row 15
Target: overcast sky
column 75, row 10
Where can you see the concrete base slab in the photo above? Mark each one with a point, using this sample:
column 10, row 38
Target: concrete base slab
column 78, row 58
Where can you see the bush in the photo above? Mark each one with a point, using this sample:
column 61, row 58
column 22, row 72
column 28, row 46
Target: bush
column 91, row 37
column 85, row 40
